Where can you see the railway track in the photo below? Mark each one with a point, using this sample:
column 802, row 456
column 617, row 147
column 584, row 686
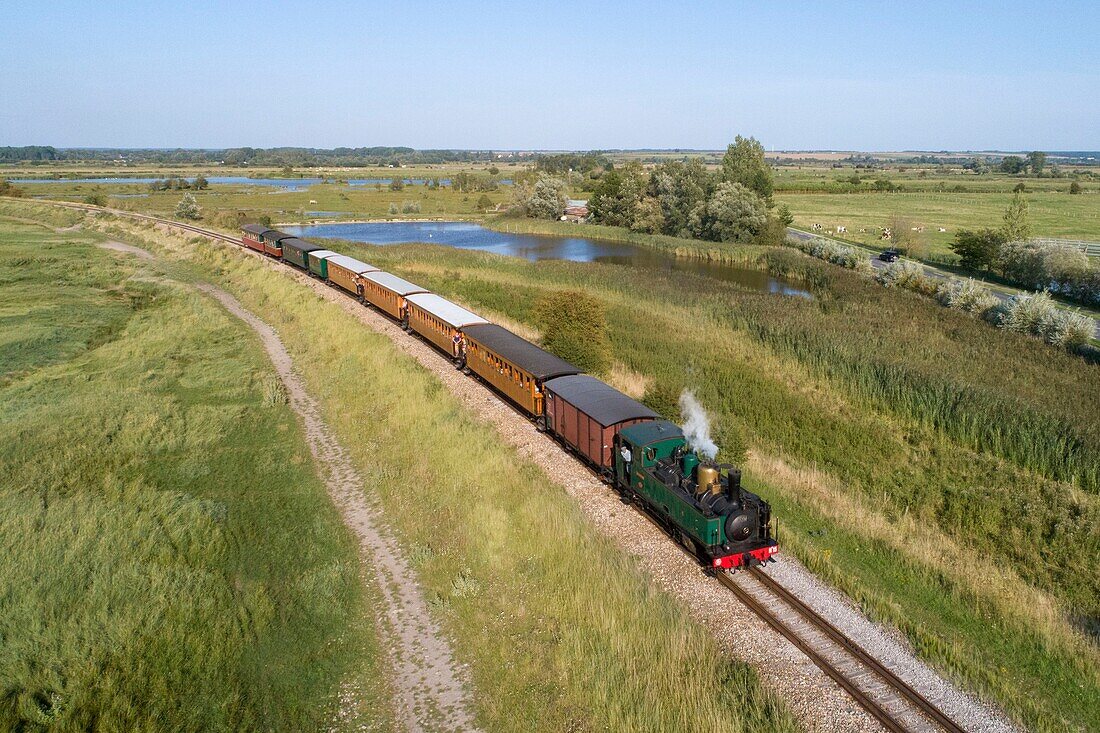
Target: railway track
column 887, row 697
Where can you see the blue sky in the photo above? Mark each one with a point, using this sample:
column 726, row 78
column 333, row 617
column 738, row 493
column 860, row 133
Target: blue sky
column 510, row 75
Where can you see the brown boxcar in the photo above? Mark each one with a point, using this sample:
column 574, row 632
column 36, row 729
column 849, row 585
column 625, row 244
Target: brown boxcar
column 344, row 271
column 440, row 321
column 388, row 293
column 586, row 415
column 252, row 236
column 271, row 240
column 513, row 366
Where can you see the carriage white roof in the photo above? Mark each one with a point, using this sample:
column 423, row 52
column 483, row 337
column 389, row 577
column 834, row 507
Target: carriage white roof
column 454, row 315
column 322, row 254
column 394, row 283
column 350, row 263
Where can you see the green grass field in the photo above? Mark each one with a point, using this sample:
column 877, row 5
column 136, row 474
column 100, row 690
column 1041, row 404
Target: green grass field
column 968, row 454
column 561, row 631
column 1053, row 214
column 171, row 560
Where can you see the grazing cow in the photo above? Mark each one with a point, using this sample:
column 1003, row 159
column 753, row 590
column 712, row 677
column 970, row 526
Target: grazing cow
column 942, row 230
column 842, row 230
column 886, row 233
column 312, row 201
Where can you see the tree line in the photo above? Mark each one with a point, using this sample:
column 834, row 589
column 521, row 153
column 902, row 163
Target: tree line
column 274, row 157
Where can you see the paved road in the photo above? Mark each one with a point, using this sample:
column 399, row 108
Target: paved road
column 928, row 270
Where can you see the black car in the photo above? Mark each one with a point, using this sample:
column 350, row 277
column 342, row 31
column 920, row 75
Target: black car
column 889, row 255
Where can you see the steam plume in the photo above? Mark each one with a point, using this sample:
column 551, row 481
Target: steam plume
column 696, row 425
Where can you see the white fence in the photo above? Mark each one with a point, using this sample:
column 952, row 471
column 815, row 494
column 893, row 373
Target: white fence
column 1092, row 249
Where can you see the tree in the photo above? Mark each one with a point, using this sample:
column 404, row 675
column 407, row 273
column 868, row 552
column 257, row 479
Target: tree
column 978, row 250
column 397, row 183
column 648, row 217
column 1036, row 161
column 200, row 183
column 188, row 207
column 786, row 218
column 484, row 203
column 1019, row 187
column 615, row 199
column 1013, row 164
column 744, row 163
column 1017, row 223
column 546, row 199
column 574, row 327
column 1075, row 187
column 679, row 187
column 96, row 198
column 902, row 236
column 733, row 213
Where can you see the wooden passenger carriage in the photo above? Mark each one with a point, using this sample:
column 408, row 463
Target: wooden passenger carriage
column 513, row 366
column 440, row 321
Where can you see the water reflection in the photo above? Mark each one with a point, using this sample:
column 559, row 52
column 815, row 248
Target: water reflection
column 533, row 247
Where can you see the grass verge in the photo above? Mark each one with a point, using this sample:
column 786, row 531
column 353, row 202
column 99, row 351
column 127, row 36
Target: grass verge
column 170, row 558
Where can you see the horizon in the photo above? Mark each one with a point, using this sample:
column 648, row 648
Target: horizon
column 468, row 76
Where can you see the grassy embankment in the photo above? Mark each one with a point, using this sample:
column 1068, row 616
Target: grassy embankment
column 170, row 558
column 561, row 631
column 942, row 473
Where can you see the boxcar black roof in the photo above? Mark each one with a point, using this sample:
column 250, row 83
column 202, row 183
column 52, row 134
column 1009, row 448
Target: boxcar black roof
column 300, row 244
column 602, row 403
column 521, row 352
column 257, row 229
column 274, row 235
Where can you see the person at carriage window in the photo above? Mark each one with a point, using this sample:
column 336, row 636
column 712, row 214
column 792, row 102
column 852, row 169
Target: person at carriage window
column 627, row 457
column 456, row 344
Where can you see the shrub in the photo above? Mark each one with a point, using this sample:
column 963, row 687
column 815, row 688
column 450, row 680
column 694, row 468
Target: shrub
column 410, row 207
column 7, row 189
column 966, row 296
column 188, row 208
column 96, row 198
column 1036, row 315
column 837, row 253
column 903, row 274
column 393, row 207
column 574, row 327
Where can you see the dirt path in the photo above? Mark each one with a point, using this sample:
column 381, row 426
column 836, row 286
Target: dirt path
column 127, row 248
column 428, row 686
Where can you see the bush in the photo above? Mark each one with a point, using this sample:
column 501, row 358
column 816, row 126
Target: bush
column 903, row 274
column 410, row 207
column 188, row 208
column 96, row 198
column 966, row 296
column 1036, row 315
column 7, row 189
column 574, row 327
column 835, row 252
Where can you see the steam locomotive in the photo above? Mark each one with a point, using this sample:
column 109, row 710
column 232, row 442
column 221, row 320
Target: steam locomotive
column 700, row 503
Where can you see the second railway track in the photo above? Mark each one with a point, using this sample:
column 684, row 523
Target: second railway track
column 887, row 697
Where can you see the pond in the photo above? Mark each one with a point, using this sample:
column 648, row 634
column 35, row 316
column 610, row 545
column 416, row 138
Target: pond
column 533, row 247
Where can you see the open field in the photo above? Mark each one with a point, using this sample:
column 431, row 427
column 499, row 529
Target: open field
column 545, row 612
column 1053, row 214
column 170, row 558
column 944, row 435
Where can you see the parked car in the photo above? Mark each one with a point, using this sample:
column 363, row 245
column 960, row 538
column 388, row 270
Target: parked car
column 889, row 255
